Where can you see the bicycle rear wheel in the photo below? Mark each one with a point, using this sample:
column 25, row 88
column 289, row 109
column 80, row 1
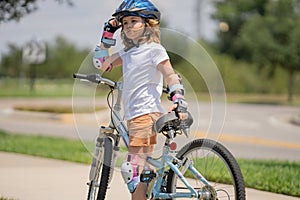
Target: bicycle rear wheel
column 216, row 164
column 102, row 169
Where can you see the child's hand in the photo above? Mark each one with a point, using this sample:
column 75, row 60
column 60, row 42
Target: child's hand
column 180, row 107
column 114, row 23
column 111, row 25
column 110, row 28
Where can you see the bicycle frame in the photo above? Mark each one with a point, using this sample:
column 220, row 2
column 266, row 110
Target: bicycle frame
column 116, row 119
column 166, row 158
column 168, row 167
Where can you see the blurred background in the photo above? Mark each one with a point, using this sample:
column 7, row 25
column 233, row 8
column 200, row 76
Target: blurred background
column 255, row 44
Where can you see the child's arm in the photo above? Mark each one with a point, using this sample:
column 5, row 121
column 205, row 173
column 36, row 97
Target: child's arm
column 176, row 88
column 102, row 60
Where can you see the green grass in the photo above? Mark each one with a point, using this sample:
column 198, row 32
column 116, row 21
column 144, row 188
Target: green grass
column 43, row 88
column 4, row 198
column 57, row 148
column 273, row 176
column 270, row 175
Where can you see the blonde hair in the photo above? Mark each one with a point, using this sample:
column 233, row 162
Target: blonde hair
column 151, row 34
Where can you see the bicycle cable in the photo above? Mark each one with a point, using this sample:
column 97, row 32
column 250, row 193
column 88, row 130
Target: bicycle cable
column 111, row 93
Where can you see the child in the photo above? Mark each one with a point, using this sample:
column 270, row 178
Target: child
column 145, row 63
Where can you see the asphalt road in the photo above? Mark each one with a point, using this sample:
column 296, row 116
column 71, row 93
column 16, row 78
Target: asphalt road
column 248, row 131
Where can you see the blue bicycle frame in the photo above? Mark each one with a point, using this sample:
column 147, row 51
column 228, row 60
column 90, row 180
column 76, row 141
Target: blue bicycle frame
column 167, row 160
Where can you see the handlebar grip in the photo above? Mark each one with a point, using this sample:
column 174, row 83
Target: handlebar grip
column 95, row 78
column 80, row 76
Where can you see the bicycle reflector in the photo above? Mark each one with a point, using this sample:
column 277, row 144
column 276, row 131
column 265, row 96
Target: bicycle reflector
column 173, row 146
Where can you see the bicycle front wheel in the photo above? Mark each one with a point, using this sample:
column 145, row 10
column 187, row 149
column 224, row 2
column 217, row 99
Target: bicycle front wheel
column 216, row 164
column 101, row 167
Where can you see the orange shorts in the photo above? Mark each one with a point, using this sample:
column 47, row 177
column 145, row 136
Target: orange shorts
column 141, row 130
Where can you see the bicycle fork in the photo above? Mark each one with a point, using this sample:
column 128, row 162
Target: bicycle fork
column 105, row 132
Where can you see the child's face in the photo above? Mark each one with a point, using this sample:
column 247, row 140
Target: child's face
column 133, row 27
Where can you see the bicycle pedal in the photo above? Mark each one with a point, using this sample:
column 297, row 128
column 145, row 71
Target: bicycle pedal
column 147, row 176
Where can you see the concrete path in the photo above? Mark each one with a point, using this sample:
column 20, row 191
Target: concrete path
column 25, row 177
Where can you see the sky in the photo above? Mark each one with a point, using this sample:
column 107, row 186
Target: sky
column 82, row 24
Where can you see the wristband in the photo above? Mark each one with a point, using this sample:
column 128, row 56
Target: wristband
column 107, row 35
column 177, row 96
column 108, row 42
column 99, row 56
column 176, row 87
column 100, row 53
column 176, row 91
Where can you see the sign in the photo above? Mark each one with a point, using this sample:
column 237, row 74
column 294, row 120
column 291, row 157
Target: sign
column 34, row 52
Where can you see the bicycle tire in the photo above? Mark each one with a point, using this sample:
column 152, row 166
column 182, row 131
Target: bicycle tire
column 216, row 164
column 104, row 170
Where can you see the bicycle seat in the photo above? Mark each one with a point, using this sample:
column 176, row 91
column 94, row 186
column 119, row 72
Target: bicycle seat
column 170, row 121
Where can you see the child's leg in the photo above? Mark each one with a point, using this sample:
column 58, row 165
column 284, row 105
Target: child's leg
column 142, row 140
column 140, row 192
column 141, row 188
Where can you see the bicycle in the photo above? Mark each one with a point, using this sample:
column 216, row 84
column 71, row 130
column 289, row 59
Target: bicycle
column 205, row 168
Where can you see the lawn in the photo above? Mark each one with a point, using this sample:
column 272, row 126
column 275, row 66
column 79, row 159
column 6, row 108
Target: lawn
column 43, row 88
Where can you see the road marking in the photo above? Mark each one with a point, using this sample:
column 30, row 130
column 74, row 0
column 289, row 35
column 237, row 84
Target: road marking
column 67, row 118
column 224, row 137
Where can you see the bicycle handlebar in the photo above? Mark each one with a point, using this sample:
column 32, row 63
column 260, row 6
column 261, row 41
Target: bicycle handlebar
column 95, row 78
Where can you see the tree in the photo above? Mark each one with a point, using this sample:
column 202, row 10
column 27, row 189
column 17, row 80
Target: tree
column 235, row 13
column 11, row 62
column 273, row 39
column 63, row 59
column 16, row 9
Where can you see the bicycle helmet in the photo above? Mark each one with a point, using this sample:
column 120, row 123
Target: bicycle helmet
column 141, row 8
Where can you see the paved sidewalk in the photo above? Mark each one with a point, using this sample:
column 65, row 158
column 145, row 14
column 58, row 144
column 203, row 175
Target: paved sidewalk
column 25, row 177
column 32, row 178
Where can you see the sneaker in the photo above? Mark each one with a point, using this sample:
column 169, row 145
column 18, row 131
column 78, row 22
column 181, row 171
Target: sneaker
column 133, row 183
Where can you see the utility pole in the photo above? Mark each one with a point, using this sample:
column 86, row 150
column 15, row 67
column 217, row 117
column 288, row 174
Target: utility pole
column 198, row 18
column 34, row 53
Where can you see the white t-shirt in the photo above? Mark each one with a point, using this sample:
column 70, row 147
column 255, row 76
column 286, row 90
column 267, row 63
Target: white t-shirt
column 142, row 80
